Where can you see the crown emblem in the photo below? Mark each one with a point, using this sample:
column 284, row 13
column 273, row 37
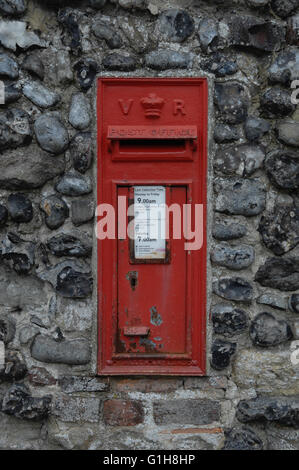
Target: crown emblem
column 152, row 105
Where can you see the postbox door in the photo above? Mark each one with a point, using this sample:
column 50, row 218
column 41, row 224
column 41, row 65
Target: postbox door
column 152, row 295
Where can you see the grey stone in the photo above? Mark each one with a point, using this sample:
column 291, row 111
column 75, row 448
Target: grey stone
column 14, row 367
column 81, row 149
column 240, row 196
column 77, row 409
column 220, row 65
column 273, row 301
column 228, row 320
column 15, row 33
column 74, row 284
column 232, row 102
column 283, row 411
column 86, row 70
column 18, row 402
column 27, row 334
column 68, row 245
column 33, row 64
column 13, row 7
column 74, row 185
column 255, row 128
column 80, row 112
column 279, row 273
column 241, row 160
column 64, row 72
column 56, row 211
column 167, row 59
column 51, row 273
column 104, row 31
column 276, row 102
column 12, row 92
column 228, row 231
column 293, row 303
column 288, row 132
column 280, row 229
column 257, row 3
column 266, row 331
column 255, row 33
column 51, row 133
column 98, row 4
column 73, row 383
column 224, row 133
column 20, row 208
column 208, row 33
column 262, row 368
column 284, row 8
column 121, row 62
column 233, row 257
column 21, row 292
column 282, row 438
column 15, row 129
column 195, row 411
column 293, row 30
column 7, row 329
column 8, row 67
column 285, row 67
column 141, row 38
column 82, row 210
column 3, row 215
column 17, row 254
column 234, row 288
column 40, row 377
column 221, row 353
column 31, row 172
column 242, row 439
column 40, row 95
column 72, row 352
column 282, row 168
column 69, row 19
column 175, row 25
column 131, row 4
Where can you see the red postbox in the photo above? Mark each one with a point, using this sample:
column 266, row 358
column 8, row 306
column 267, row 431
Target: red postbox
column 152, row 150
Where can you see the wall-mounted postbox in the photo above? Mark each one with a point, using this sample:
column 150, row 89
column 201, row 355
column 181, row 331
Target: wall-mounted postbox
column 152, row 154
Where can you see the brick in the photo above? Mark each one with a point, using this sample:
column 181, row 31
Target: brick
column 123, row 412
column 183, row 411
column 146, row 385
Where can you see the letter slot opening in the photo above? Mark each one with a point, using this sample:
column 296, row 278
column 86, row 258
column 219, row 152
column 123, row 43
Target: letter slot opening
column 152, row 146
column 146, row 143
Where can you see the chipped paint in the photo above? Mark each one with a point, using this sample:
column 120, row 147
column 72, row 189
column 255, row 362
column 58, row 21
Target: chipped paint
column 156, row 318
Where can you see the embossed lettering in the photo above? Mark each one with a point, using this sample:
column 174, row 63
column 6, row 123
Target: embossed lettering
column 179, row 107
column 125, row 106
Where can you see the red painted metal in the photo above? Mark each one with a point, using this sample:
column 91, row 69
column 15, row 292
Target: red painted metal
column 152, row 314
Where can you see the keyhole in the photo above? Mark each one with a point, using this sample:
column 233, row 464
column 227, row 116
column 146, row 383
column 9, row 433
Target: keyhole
column 133, row 279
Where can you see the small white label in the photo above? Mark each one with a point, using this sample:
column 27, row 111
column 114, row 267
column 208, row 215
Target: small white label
column 149, row 222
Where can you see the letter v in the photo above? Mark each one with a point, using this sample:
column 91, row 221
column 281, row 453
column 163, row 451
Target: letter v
column 125, row 106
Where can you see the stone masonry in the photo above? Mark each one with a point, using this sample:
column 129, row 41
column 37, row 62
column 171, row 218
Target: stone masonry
column 50, row 55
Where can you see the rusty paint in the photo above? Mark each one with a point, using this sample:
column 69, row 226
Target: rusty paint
column 149, row 345
column 132, row 277
column 156, row 318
